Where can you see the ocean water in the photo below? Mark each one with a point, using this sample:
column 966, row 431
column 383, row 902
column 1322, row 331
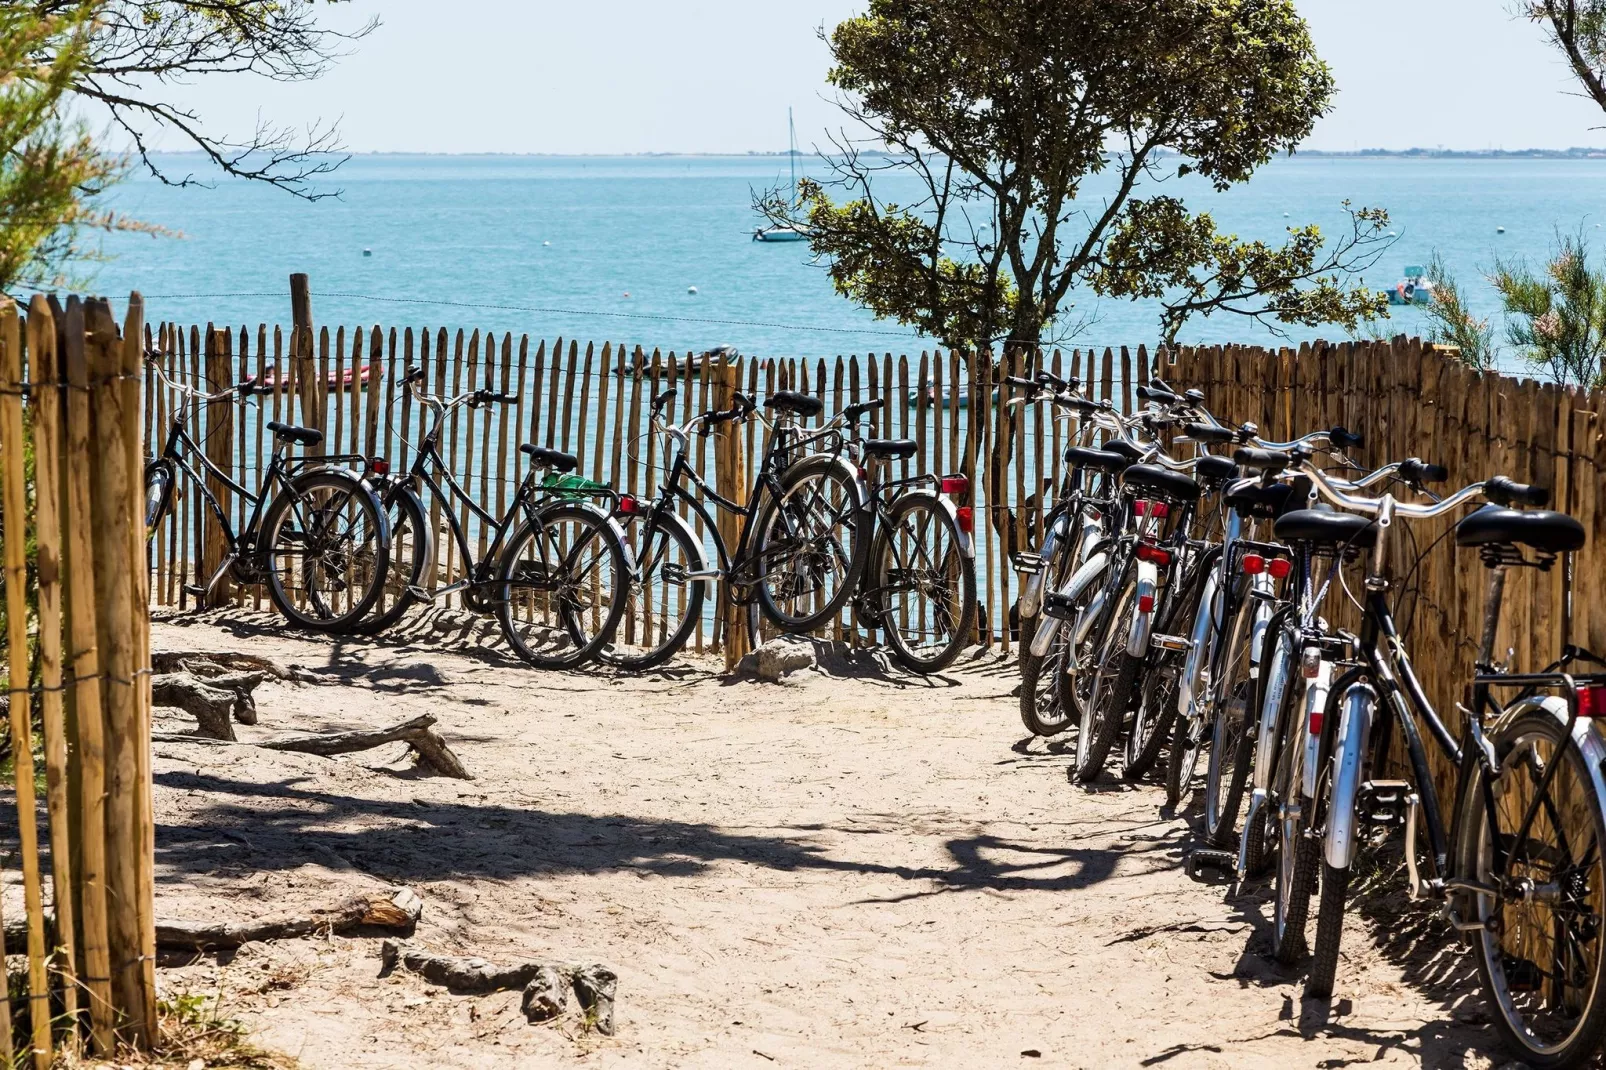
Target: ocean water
column 608, row 249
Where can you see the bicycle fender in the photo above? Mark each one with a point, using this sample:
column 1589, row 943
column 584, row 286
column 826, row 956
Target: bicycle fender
column 1315, row 707
column 612, row 524
column 1589, row 742
column 1090, row 570
column 967, row 545
column 672, row 517
column 1031, row 595
column 1349, row 755
column 1198, row 650
column 1137, row 637
column 1282, row 672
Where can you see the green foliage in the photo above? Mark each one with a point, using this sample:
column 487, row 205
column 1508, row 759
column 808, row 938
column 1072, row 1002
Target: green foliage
column 1003, row 109
column 1577, row 28
column 1556, row 317
column 49, row 168
column 1451, row 322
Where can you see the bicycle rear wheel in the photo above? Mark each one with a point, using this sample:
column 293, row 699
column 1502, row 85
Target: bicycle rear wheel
column 1110, row 691
column 810, row 544
column 1232, row 737
column 561, row 585
column 326, row 550
column 1157, row 701
column 412, row 557
column 1540, row 953
column 923, row 584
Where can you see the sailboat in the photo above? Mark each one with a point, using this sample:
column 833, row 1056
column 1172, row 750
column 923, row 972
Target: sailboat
column 786, row 231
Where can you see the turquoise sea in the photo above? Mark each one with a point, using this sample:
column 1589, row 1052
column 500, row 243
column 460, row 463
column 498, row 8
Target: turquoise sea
column 609, row 248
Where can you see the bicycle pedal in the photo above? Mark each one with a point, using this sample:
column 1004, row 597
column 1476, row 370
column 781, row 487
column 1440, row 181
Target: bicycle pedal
column 419, row 594
column 195, row 589
column 1059, row 606
column 1382, row 803
column 1204, row 859
column 1179, row 643
column 1028, row 562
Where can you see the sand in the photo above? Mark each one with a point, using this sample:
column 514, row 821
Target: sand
column 850, row 868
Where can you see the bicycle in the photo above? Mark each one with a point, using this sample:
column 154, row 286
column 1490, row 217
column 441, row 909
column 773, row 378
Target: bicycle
column 321, row 545
column 1518, row 864
column 556, row 566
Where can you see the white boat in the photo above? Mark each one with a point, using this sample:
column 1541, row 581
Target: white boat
column 1413, row 289
column 786, row 231
column 928, row 394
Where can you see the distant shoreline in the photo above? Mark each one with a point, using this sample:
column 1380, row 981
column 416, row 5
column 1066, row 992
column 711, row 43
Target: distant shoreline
column 1577, row 153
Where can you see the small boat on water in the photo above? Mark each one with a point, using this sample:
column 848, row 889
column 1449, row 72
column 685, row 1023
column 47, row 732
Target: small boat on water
column 687, row 364
column 928, row 394
column 786, row 231
column 1414, row 289
column 357, row 376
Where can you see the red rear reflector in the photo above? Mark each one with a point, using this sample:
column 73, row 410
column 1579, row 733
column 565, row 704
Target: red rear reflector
column 379, row 466
column 1592, row 701
column 1279, row 567
column 629, row 505
column 1254, row 564
column 1315, row 722
column 967, row 519
column 1158, row 510
column 955, row 486
column 1145, row 603
column 1153, row 554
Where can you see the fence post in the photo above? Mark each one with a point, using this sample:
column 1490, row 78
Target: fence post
column 730, row 473
column 220, row 451
column 308, row 382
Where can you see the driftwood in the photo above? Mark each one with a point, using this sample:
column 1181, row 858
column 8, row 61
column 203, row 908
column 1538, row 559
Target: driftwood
column 546, row 985
column 212, row 707
column 397, row 912
column 217, row 663
column 417, row 734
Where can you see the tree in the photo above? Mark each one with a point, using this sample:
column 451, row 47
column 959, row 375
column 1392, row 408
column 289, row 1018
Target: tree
column 1004, row 112
column 141, row 48
column 1451, row 322
column 50, row 170
column 1578, row 29
column 1557, row 318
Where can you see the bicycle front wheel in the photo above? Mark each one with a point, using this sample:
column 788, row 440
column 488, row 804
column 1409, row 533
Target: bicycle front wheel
column 665, row 597
column 326, row 550
column 1232, row 733
column 1540, row 952
column 1110, row 692
column 412, row 558
column 810, row 544
column 923, row 584
column 561, row 585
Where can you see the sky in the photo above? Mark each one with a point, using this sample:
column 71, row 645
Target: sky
column 630, row 76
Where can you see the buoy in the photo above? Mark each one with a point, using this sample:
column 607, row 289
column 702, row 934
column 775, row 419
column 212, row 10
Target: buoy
column 627, row 293
column 1499, row 230
column 1394, row 234
column 691, row 289
column 367, row 252
column 1285, row 215
column 545, row 244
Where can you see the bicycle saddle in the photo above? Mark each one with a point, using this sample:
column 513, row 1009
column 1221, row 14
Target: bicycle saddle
column 795, row 403
column 1082, row 457
column 1542, row 529
column 556, row 460
column 1215, row 469
column 306, row 436
column 890, row 447
column 1326, row 527
column 1125, row 449
column 1253, row 498
column 1161, row 482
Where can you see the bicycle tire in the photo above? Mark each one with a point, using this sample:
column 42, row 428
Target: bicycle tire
column 850, row 511
column 1230, row 754
column 955, row 573
column 1104, row 710
column 1500, row 956
column 1111, row 717
column 568, row 612
column 1182, row 761
column 669, row 541
column 1329, row 932
column 412, row 555
column 338, row 567
column 1157, row 700
column 1297, row 856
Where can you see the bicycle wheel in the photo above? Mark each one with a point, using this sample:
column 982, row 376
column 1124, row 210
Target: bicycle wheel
column 561, row 584
column 1296, row 853
column 1042, row 689
column 664, row 602
column 412, row 558
column 922, row 584
column 1157, row 699
column 1540, row 953
column 1232, row 734
column 326, row 550
column 158, row 493
column 1110, row 693
column 809, row 545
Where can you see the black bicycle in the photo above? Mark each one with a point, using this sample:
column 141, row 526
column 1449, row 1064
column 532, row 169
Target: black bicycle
column 556, row 565
column 321, row 544
column 803, row 545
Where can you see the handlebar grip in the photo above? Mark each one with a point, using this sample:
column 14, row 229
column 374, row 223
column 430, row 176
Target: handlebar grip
column 1342, row 437
column 246, row 387
column 1204, row 433
column 663, row 399
column 1077, row 401
column 1416, row 471
column 508, row 399
column 853, row 412
column 1021, row 381
column 1163, row 396
column 1050, row 379
column 1262, row 460
column 1506, row 491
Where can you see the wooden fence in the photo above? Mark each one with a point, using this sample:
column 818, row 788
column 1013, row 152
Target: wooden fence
column 78, row 660
column 593, row 400
column 1408, row 400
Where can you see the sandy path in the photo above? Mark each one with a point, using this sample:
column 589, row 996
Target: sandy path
column 864, row 871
